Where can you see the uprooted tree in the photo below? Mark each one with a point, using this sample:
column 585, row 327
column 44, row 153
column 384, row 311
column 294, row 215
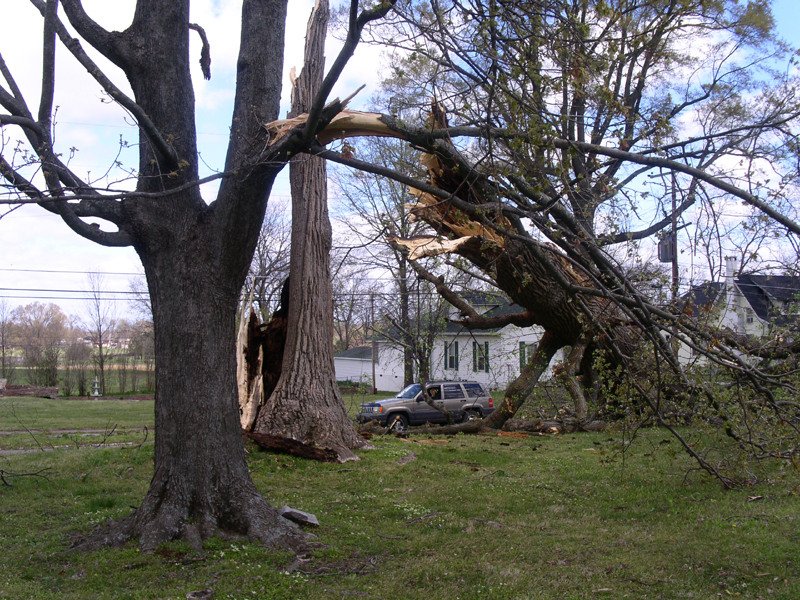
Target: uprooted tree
column 563, row 109
column 195, row 254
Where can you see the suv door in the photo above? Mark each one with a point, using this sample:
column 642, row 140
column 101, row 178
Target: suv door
column 477, row 398
column 426, row 414
column 454, row 399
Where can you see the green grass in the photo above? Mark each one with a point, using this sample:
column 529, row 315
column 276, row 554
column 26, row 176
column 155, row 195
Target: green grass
column 29, row 423
column 476, row 517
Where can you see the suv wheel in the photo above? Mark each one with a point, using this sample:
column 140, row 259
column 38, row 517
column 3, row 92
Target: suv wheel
column 398, row 423
column 471, row 415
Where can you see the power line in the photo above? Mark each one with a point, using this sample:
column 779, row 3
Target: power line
column 68, row 272
column 46, row 291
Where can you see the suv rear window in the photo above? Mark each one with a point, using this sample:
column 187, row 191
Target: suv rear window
column 474, row 390
column 452, row 391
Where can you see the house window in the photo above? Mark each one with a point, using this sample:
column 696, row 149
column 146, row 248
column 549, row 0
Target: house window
column 748, row 315
column 451, row 356
column 523, row 356
column 480, row 357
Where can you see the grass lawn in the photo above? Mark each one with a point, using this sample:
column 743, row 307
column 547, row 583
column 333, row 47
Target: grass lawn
column 30, row 423
column 467, row 517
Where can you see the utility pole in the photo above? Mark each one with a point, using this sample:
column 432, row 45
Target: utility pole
column 374, row 341
column 674, row 235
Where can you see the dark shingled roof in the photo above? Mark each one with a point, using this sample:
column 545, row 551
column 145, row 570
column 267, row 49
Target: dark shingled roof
column 701, row 298
column 758, row 289
column 359, row 352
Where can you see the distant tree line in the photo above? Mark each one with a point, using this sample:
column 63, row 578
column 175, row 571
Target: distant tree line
column 41, row 345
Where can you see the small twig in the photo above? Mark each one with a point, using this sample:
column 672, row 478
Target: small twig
column 5, row 476
column 492, row 474
column 13, row 412
column 106, row 434
column 423, row 518
column 656, row 582
column 554, row 490
column 144, row 439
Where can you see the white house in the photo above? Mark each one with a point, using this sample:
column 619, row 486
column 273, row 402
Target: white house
column 750, row 305
column 494, row 357
column 354, row 365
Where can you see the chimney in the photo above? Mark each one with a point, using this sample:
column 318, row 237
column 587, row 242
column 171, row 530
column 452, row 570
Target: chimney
column 731, row 268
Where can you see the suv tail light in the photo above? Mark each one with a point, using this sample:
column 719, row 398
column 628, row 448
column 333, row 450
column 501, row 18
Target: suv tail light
column 491, row 402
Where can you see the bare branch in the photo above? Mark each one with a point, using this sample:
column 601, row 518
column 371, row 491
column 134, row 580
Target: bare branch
column 25, row 122
column 472, row 320
column 356, row 26
column 205, row 53
column 100, row 39
column 48, row 66
column 74, row 46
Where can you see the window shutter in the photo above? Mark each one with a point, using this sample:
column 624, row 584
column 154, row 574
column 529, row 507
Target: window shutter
column 456, row 353
column 474, row 357
column 486, row 356
column 521, row 357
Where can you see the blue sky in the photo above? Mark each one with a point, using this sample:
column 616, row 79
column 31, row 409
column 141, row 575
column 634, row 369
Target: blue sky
column 787, row 20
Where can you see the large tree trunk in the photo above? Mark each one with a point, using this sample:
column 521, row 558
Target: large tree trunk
column 201, row 476
column 195, row 258
column 201, row 485
column 306, row 404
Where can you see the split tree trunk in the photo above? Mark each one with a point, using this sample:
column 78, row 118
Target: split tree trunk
column 306, row 404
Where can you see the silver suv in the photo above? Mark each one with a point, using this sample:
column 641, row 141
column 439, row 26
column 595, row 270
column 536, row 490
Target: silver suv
column 464, row 399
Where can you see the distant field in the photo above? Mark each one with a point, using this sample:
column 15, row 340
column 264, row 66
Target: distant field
column 32, row 423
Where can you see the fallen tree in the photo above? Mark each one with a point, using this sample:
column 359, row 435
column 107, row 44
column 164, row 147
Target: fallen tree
column 571, row 287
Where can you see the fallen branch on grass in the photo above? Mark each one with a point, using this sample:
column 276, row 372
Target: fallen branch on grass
column 373, row 428
column 563, row 426
column 535, row 426
column 273, row 443
column 6, row 476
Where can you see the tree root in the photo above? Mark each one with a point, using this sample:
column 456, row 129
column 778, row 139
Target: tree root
column 251, row 519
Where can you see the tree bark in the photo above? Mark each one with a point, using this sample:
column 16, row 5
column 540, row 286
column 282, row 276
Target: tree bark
column 201, row 486
column 195, row 257
column 306, row 404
